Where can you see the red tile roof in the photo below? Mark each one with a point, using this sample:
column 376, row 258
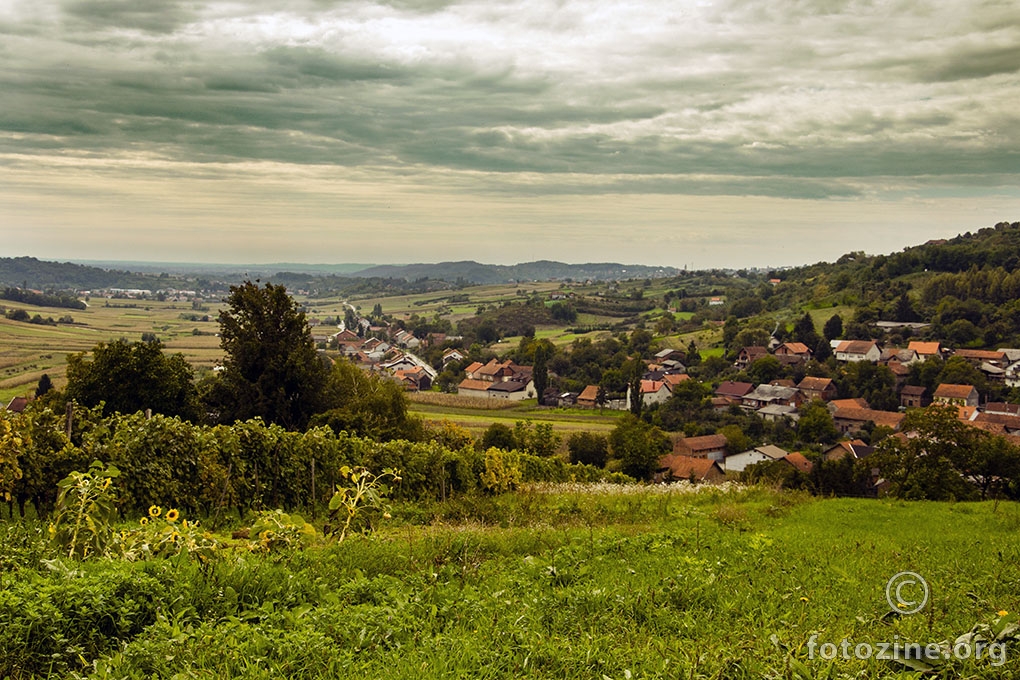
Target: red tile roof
column 674, row 379
column 685, row 467
column 797, row 347
column 708, row 442
column 856, row 402
column 797, row 460
column 855, row 346
column 980, row 354
column 651, row 386
column 810, row 382
column 887, row 418
column 924, row 348
column 730, row 388
column 948, row 391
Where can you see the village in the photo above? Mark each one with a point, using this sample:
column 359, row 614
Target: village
column 710, row 457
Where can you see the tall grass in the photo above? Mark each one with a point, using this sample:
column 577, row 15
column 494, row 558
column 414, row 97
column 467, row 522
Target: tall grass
column 548, row 583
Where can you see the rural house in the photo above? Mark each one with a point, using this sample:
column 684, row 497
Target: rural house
column 707, row 446
column 957, row 395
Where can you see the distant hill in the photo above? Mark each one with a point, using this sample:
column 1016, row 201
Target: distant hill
column 229, row 270
column 33, row 273
column 543, row 270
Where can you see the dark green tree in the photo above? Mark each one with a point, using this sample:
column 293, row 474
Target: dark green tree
column 588, row 448
column 904, row 310
column 131, row 377
column 272, row 369
column 934, row 463
column 959, row 371
column 815, row 425
column 640, row 341
column 44, row 386
column 693, row 355
column 540, row 373
column 637, row 447
column 498, row 436
column 804, row 331
column 833, row 327
column 875, row 383
column 764, row 370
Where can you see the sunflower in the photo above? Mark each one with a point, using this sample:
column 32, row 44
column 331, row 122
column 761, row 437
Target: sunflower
column 155, row 511
column 172, row 515
column 143, row 521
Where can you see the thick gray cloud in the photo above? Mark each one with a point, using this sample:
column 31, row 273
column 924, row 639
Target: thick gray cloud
column 817, row 101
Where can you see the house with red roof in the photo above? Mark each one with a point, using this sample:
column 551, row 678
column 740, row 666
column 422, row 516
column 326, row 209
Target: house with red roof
column 925, row 350
column 706, row 446
column 589, row 397
column 817, row 388
column 957, row 395
column 749, row 355
column 913, row 396
column 676, row 467
column 850, row 421
column 796, row 350
column 798, row 461
column 858, row 350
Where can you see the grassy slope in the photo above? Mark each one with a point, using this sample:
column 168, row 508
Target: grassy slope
column 579, row 585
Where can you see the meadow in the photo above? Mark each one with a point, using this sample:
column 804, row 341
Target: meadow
column 475, row 415
column 553, row 581
column 27, row 351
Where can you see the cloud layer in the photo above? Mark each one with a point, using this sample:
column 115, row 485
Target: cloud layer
column 170, row 121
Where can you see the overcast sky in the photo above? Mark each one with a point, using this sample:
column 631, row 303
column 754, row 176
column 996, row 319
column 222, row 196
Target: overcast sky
column 666, row 132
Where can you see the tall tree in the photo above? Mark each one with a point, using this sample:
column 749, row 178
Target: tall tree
column 272, row 369
column 693, row 355
column 635, row 370
column 540, row 373
column 833, row 327
column 804, row 331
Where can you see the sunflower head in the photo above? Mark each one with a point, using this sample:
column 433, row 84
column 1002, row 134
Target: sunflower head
column 143, row 521
column 172, row 515
column 155, row 511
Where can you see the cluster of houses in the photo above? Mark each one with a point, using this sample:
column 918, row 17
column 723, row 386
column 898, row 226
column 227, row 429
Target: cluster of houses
column 393, row 359
column 705, row 458
column 498, row 380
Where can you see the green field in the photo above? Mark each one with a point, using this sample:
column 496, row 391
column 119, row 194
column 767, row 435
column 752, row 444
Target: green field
column 567, row 582
column 564, row 421
column 29, row 350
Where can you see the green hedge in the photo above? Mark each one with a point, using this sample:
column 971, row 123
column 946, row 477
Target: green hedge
column 167, row 461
